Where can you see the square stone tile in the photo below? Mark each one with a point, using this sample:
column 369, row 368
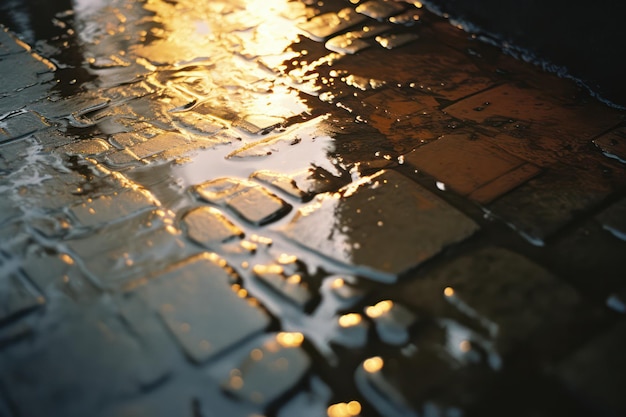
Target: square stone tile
column 597, row 372
column 508, row 299
column 613, row 144
column 504, row 107
column 383, row 225
column 324, row 26
column 250, row 201
column 613, row 219
column 472, row 167
column 197, row 303
column 548, row 202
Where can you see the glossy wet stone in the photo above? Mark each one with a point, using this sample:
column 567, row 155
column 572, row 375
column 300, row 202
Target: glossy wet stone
column 613, row 219
column 392, row 321
column 326, row 25
column 380, row 9
column 280, row 359
column 393, row 41
column 523, row 105
column 442, row 388
column 198, row 305
column 20, row 123
column 356, row 225
column 209, row 227
column 597, row 371
column 87, row 147
column 101, row 351
column 282, row 182
column 116, row 261
column 346, row 44
column 489, row 173
column 613, row 144
column 253, row 203
column 548, row 202
column 290, row 286
column 17, row 297
column 117, row 206
column 511, row 300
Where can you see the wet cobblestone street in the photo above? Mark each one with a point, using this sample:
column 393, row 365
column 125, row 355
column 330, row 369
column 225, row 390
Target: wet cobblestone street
column 294, row 208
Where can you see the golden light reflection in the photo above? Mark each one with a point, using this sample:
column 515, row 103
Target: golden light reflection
column 465, row 346
column 256, row 354
column 351, row 409
column 337, row 283
column 267, row 269
column 67, row 259
column 448, row 292
column 379, row 309
column 290, row 339
column 286, row 259
column 236, row 382
column 294, row 279
column 373, row 365
column 350, row 320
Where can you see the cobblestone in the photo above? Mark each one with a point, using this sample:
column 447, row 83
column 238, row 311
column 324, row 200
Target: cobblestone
column 395, row 207
column 491, row 172
column 250, row 201
column 203, row 284
column 300, row 208
column 594, row 371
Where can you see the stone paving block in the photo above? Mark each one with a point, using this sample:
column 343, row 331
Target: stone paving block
column 8, row 210
column 597, row 372
column 442, row 388
column 422, row 67
column 380, row 9
column 87, row 147
column 116, row 260
column 616, row 301
column 122, row 158
column 472, row 167
column 346, row 44
column 324, row 26
column 356, row 40
column 613, row 144
column 358, row 225
column 81, row 359
column 392, row 320
column 282, row 182
column 550, row 201
column 51, row 273
column 158, row 144
column 514, row 302
column 250, row 201
column 198, row 305
column 8, row 44
column 509, row 104
column 291, row 287
column 21, row 124
column 280, row 359
column 16, row 297
column 210, row 228
column 113, row 207
column 590, row 258
column 393, row 40
column 613, row 219
column 27, row 76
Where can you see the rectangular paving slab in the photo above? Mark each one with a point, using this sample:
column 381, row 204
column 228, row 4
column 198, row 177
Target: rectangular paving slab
column 197, row 304
column 383, row 225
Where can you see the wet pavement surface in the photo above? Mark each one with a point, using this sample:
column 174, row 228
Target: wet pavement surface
column 276, row 208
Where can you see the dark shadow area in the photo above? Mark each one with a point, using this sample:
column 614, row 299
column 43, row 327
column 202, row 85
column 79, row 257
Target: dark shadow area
column 583, row 39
